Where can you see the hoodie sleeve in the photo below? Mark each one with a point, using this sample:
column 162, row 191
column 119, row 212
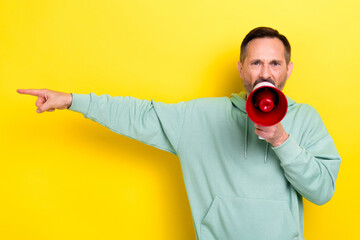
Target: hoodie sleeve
column 312, row 167
column 155, row 124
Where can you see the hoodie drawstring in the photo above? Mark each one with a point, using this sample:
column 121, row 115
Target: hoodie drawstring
column 266, row 152
column 246, row 141
column 246, row 136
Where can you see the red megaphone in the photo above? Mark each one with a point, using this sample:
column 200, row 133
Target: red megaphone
column 266, row 105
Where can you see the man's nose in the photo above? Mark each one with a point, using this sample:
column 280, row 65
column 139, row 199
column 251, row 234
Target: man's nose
column 265, row 72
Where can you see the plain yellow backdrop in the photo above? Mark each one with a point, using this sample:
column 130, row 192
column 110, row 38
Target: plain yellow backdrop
column 65, row 177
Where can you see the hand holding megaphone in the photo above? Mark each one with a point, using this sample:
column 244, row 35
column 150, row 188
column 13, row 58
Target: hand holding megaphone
column 266, row 106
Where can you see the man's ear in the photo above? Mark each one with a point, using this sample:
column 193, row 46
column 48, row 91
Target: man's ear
column 239, row 67
column 290, row 67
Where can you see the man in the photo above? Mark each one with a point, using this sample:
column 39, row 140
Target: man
column 239, row 186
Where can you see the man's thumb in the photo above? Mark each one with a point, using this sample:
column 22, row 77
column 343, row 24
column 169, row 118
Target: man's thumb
column 46, row 106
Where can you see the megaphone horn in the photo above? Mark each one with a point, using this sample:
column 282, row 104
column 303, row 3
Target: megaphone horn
column 266, row 105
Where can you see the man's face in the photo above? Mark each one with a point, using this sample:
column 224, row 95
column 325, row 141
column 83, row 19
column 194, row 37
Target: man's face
column 264, row 61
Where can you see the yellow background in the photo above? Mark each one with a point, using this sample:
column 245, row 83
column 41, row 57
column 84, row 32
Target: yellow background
column 65, row 177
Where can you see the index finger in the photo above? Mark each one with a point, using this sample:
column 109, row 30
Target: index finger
column 257, row 126
column 33, row 92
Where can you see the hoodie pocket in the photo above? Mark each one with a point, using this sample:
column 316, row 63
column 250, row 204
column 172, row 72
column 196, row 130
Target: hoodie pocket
column 248, row 219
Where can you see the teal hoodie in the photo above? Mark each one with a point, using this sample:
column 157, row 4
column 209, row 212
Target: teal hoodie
column 239, row 186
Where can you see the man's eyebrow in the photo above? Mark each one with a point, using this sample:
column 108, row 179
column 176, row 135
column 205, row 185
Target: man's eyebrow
column 255, row 60
column 260, row 60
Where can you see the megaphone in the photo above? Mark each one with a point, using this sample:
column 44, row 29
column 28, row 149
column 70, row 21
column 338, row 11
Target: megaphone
column 266, row 105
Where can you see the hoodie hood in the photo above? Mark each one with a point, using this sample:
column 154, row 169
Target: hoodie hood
column 239, row 100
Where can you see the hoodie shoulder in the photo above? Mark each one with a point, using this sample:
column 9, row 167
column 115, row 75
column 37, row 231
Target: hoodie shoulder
column 304, row 109
column 208, row 104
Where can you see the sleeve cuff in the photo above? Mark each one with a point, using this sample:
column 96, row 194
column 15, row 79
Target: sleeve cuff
column 80, row 103
column 288, row 151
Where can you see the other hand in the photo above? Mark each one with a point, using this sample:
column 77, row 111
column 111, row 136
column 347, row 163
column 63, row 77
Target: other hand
column 274, row 135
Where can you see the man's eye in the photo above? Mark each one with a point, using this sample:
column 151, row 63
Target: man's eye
column 275, row 63
column 255, row 63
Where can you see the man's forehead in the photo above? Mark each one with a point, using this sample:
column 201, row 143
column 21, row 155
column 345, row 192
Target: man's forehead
column 265, row 48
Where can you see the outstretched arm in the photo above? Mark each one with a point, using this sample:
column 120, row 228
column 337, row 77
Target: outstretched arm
column 48, row 100
column 156, row 124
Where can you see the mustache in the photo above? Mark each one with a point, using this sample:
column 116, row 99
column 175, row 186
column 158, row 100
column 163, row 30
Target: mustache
column 259, row 80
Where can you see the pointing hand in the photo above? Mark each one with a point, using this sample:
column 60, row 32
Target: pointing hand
column 48, row 100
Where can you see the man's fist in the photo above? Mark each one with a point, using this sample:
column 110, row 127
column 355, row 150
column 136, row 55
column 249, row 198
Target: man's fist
column 274, row 135
column 48, row 100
